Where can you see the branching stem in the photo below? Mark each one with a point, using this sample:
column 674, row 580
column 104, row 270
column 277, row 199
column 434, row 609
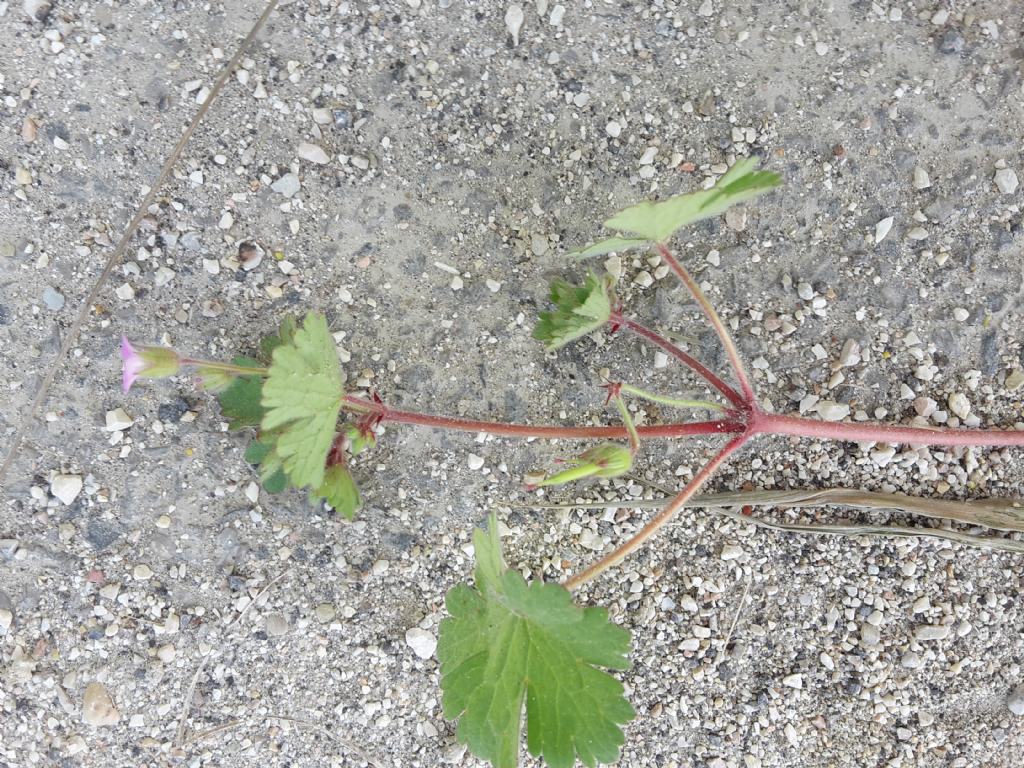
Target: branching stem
column 688, row 360
column 715, row 321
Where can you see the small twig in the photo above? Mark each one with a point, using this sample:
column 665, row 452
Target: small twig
column 717, row 503
column 1001, row 514
column 852, row 529
column 736, row 616
column 212, row 731
column 715, row 321
column 73, row 333
column 179, row 737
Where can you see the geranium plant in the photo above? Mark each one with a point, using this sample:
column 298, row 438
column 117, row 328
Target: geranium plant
column 512, row 650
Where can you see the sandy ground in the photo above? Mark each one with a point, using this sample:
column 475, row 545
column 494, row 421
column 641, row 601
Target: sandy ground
column 452, row 165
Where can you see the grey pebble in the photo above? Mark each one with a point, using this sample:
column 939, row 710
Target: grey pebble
column 53, row 299
column 869, row 635
column 931, row 632
column 287, row 185
column 325, row 612
column 1015, row 701
column 276, row 624
column 911, row 660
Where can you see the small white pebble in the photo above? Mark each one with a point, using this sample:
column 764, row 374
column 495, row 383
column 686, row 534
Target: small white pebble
column 643, row 279
column 731, row 552
column 1006, row 180
column 475, row 462
column 882, row 229
column 959, row 404
column 118, row 420
column 423, row 643
column 793, row 681
column 829, row 410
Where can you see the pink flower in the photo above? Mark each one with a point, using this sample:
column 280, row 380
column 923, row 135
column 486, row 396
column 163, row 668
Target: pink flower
column 147, row 362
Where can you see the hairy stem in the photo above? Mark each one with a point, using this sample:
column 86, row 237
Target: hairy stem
column 627, row 420
column 241, row 370
column 691, row 362
column 674, row 402
column 715, row 321
column 716, row 427
column 627, row 548
column 797, row 426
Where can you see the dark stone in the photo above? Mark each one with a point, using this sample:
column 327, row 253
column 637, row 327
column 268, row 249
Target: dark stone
column 102, row 533
column 171, row 413
column 5, row 315
column 989, row 352
column 952, row 41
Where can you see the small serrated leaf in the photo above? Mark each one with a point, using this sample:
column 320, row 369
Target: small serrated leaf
column 658, row 221
column 284, row 335
column 611, row 244
column 340, row 491
column 302, row 399
column 240, row 400
column 260, row 452
column 579, row 310
column 509, row 646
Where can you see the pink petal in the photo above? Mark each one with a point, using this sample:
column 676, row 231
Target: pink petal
column 132, row 365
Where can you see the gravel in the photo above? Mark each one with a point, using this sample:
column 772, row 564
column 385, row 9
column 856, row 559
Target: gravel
column 353, row 148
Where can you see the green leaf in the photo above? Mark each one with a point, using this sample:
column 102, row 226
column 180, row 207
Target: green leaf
column 508, row 645
column 262, row 454
column 284, row 335
column 359, row 440
column 658, row 221
column 617, row 244
column 340, row 491
column 302, row 398
column 240, row 400
column 579, row 310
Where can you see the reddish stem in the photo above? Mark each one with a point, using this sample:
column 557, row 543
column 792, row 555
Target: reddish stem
column 698, row 367
column 797, row 426
column 715, row 427
column 714, row 321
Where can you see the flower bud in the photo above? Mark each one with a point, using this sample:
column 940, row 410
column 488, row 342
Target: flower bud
column 146, row 362
column 605, row 460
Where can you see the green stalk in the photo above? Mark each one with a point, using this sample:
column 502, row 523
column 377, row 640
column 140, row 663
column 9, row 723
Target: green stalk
column 673, row 402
